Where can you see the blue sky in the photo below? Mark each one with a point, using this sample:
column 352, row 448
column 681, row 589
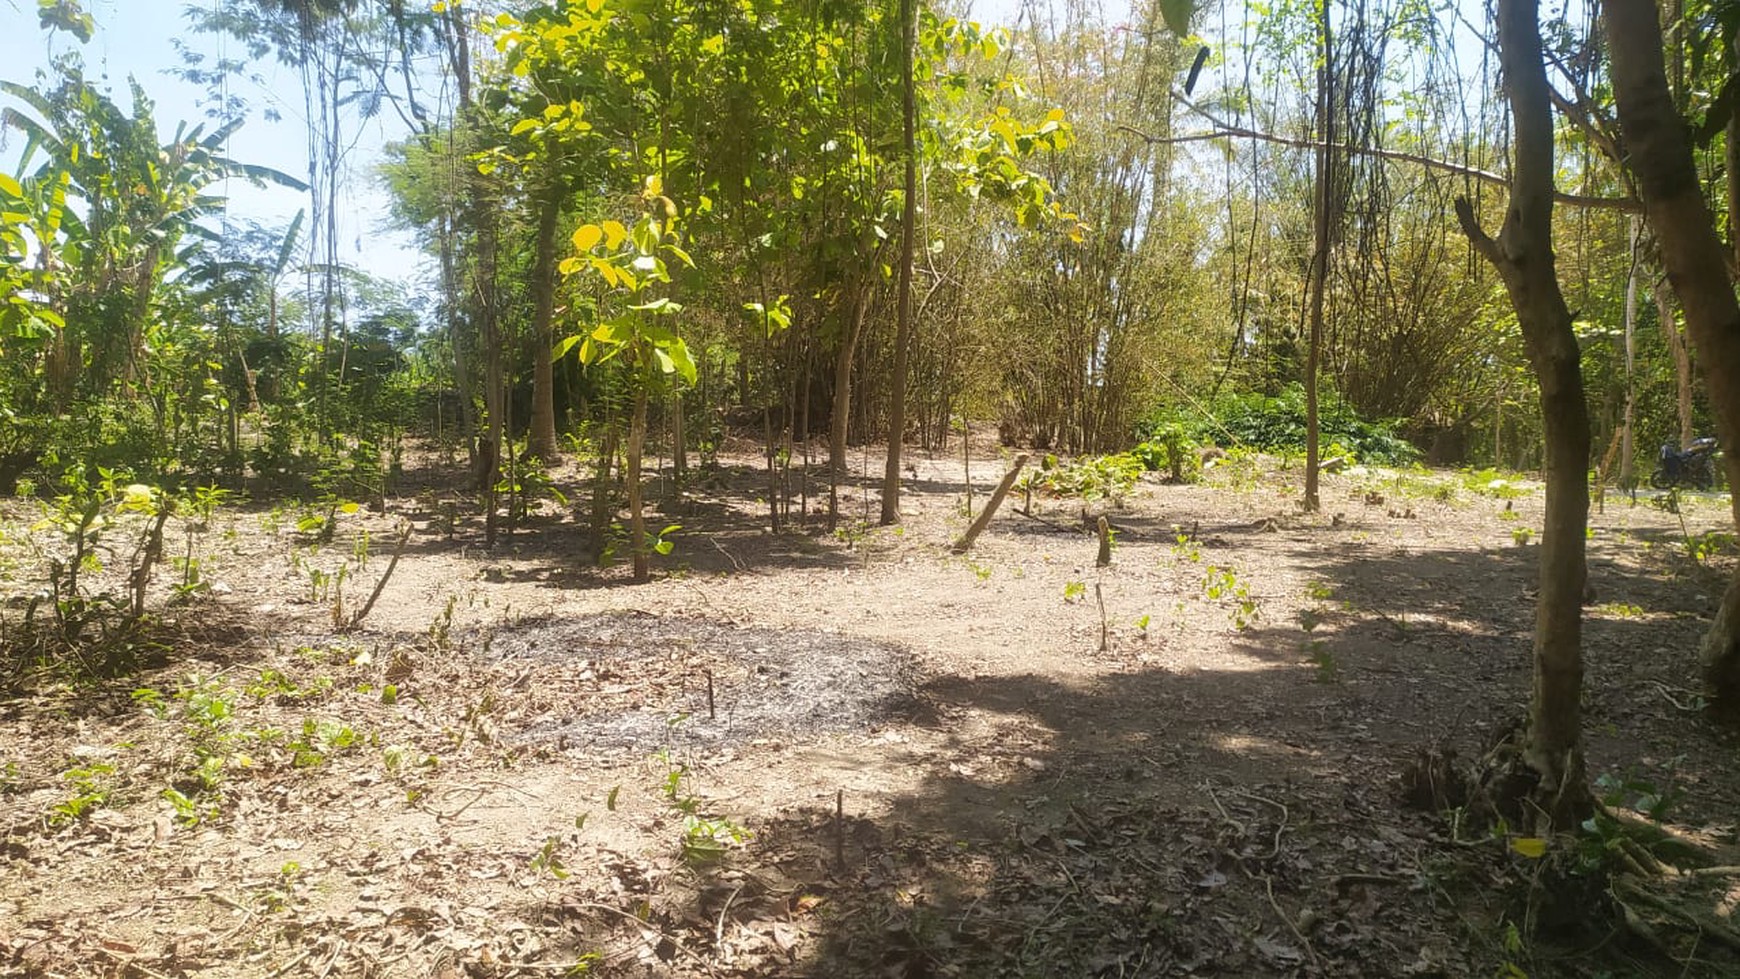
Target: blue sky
column 134, row 37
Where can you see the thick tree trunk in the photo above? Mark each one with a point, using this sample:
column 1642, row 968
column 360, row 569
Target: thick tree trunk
column 542, row 438
column 1696, row 262
column 1523, row 256
column 908, row 217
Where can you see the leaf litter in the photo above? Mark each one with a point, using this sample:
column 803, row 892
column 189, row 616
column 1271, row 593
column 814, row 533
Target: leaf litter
column 942, row 770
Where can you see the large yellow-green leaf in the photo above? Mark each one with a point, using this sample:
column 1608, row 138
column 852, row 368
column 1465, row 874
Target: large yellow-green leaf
column 1532, row 847
column 586, row 236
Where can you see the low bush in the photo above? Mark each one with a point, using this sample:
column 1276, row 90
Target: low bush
column 1277, row 424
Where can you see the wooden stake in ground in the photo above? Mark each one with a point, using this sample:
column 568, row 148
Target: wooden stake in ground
column 1100, row 597
column 985, row 515
column 840, row 829
column 1105, row 557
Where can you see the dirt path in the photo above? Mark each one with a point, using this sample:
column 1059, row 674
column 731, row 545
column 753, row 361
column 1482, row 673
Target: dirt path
column 944, row 765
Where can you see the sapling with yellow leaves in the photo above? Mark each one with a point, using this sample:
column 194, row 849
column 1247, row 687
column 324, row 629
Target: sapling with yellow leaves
column 632, row 263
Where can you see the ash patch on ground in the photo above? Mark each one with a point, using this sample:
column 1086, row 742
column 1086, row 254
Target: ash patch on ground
column 637, row 682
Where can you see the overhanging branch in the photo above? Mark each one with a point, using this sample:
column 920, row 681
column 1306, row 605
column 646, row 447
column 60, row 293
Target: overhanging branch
column 1224, row 131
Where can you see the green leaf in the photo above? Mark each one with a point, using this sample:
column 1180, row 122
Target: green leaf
column 610, row 800
column 1177, row 14
column 524, row 126
column 11, row 186
column 564, row 345
column 685, row 364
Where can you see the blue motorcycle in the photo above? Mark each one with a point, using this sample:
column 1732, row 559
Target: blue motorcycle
column 1691, row 467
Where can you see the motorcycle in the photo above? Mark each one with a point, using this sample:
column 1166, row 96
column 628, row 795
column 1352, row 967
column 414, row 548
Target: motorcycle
column 1691, row 467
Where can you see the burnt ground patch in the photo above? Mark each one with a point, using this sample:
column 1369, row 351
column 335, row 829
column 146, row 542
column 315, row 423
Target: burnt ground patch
column 638, row 682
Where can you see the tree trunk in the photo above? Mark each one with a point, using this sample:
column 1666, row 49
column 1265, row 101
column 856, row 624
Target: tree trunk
column 1551, row 752
column 1696, row 262
column 1627, row 449
column 908, row 217
column 838, row 465
column 458, row 338
column 494, row 374
column 1319, row 254
column 679, row 446
column 541, row 440
column 637, row 518
column 1731, row 162
column 1676, row 343
column 603, row 496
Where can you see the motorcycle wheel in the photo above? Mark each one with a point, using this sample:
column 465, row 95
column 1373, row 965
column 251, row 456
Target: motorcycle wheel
column 1701, row 478
column 1661, row 480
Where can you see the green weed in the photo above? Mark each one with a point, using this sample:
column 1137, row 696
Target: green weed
column 92, row 785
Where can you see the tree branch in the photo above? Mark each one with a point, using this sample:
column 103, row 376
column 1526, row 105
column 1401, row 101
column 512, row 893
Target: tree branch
column 1224, row 131
column 1477, row 237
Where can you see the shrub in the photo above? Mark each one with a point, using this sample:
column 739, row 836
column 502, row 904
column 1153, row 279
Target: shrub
column 1170, row 447
column 1277, row 424
column 1091, row 477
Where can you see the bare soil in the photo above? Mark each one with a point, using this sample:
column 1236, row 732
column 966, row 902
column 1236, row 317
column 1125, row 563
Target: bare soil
column 808, row 753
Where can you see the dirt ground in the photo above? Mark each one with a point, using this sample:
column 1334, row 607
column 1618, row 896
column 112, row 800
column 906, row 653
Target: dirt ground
column 853, row 753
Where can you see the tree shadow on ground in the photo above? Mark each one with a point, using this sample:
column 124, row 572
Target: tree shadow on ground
column 1246, row 822
column 1153, row 824
column 721, row 521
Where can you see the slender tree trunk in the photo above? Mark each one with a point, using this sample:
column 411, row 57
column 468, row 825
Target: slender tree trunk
column 1628, row 450
column 908, row 217
column 1676, row 343
column 603, row 495
column 636, row 514
column 541, row 440
column 1696, row 262
column 1319, row 252
column 494, row 373
column 679, row 446
column 838, row 465
column 1523, row 255
column 458, row 337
